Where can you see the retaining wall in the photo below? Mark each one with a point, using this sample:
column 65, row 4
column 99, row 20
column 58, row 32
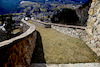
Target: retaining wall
column 73, row 31
column 17, row 51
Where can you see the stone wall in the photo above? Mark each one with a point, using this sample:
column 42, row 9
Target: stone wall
column 93, row 26
column 73, row 31
column 40, row 23
column 17, row 52
column 25, row 27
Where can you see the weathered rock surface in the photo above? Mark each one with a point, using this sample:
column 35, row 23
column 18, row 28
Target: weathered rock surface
column 93, row 26
column 73, row 32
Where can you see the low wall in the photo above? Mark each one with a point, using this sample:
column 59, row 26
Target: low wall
column 25, row 27
column 43, row 24
column 73, row 31
column 17, row 51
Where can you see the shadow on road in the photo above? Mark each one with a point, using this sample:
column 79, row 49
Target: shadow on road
column 38, row 53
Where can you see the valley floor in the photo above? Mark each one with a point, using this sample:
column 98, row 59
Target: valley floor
column 56, row 48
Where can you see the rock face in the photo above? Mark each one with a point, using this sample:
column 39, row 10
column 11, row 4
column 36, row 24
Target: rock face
column 93, row 26
column 82, row 13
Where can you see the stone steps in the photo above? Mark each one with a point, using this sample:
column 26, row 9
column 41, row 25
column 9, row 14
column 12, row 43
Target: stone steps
column 66, row 65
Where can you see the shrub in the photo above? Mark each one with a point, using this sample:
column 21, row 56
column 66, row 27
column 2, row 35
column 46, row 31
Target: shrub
column 67, row 16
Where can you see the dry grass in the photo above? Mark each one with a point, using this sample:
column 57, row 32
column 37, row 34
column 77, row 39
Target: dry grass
column 60, row 48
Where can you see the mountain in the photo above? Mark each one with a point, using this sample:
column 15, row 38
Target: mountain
column 26, row 6
column 10, row 6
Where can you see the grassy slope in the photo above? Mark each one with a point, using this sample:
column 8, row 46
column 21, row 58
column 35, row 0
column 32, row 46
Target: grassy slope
column 60, row 48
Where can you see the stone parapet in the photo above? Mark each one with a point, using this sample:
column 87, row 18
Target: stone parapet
column 17, row 51
column 73, row 31
column 43, row 24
